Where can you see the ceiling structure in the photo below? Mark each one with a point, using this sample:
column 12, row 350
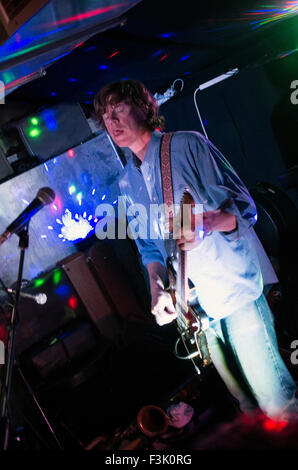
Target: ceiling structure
column 159, row 41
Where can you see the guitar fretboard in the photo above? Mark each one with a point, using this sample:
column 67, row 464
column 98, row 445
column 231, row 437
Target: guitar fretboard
column 181, row 280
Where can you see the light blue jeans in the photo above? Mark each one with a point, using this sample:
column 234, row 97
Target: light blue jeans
column 245, row 353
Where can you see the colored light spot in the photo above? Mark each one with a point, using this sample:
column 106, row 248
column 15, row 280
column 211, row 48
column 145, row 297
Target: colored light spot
column 103, row 67
column 166, row 35
column 93, row 192
column 54, row 341
column 275, row 426
column 34, row 132
column 103, row 197
column 185, row 57
column 49, row 116
column 113, row 55
column 72, row 80
column 56, row 277
column 72, row 189
column 43, row 236
column 39, row 282
column 63, row 290
column 71, row 153
column 73, row 302
column 157, row 53
column 88, row 14
column 163, row 57
column 34, row 121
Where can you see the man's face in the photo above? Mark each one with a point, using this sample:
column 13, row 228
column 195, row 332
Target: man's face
column 121, row 124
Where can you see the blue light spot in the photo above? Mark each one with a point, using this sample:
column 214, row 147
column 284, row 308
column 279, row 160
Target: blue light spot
column 73, row 80
column 63, row 290
column 91, row 48
column 53, row 93
column 86, row 178
column 185, row 57
column 166, row 35
column 157, row 53
column 50, row 119
column 103, row 67
column 90, row 92
column 205, row 122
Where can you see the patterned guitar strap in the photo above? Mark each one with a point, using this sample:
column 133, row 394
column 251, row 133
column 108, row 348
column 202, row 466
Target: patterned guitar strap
column 167, row 188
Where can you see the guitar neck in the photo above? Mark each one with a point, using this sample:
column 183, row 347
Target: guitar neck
column 181, row 282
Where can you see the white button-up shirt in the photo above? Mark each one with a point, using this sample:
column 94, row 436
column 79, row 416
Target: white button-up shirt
column 225, row 268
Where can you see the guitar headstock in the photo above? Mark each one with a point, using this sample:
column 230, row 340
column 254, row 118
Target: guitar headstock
column 187, row 198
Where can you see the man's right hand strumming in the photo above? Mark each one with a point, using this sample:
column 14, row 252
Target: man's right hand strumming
column 162, row 306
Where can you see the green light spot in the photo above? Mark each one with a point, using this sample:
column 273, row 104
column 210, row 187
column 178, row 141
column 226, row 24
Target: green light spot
column 69, row 312
column 39, row 282
column 34, row 121
column 57, row 277
column 72, row 189
column 55, row 340
column 79, row 196
column 34, row 132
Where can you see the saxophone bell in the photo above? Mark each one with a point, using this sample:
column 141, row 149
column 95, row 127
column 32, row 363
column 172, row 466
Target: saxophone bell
column 152, row 421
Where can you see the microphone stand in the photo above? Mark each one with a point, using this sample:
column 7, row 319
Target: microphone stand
column 14, row 320
column 10, row 352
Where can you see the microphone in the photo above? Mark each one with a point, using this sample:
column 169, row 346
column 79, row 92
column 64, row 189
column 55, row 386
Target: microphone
column 44, row 196
column 218, row 79
column 39, row 298
column 169, row 93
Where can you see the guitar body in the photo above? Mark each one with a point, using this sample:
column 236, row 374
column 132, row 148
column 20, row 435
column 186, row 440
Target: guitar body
column 191, row 321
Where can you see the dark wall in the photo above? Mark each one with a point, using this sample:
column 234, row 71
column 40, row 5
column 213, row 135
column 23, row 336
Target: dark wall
column 249, row 117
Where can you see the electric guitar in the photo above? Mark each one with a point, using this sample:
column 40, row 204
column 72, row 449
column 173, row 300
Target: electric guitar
column 191, row 320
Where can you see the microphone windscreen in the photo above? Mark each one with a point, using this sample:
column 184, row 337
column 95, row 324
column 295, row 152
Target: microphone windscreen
column 46, row 195
column 41, row 298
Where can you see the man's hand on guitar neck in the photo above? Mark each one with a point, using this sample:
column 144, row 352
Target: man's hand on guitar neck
column 211, row 221
column 162, row 306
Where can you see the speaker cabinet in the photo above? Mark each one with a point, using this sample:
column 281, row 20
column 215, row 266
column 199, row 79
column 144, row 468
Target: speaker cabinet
column 52, row 131
column 98, row 307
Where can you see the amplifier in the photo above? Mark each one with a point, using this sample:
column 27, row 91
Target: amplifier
column 51, row 131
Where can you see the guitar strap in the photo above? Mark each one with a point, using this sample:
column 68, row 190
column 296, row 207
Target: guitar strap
column 166, row 174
